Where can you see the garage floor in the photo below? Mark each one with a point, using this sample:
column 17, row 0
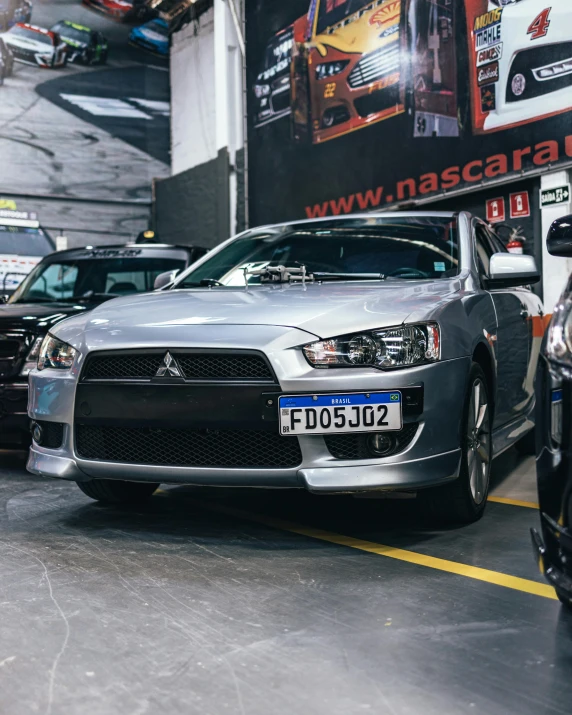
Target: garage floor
column 256, row 603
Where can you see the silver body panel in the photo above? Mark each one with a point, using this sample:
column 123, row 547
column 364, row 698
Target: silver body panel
column 278, row 320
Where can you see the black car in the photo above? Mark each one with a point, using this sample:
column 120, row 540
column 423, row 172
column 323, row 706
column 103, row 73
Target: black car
column 84, row 45
column 6, row 61
column 553, row 549
column 64, row 284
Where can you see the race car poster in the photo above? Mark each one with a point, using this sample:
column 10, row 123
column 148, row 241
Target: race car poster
column 84, row 111
column 361, row 104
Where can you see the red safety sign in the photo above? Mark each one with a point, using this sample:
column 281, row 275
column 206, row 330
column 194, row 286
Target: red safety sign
column 495, row 210
column 519, row 205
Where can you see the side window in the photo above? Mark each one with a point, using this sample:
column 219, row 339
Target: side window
column 484, row 250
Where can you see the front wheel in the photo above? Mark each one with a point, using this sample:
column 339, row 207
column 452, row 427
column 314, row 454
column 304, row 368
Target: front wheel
column 564, row 599
column 112, row 491
column 463, row 501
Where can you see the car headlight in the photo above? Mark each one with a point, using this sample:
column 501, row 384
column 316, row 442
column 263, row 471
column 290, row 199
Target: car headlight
column 261, row 90
column 32, row 356
column 402, row 346
column 55, row 353
column 559, row 342
column 329, row 69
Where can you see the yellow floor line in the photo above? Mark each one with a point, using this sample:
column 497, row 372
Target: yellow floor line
column 514, row 502
column 412, row 557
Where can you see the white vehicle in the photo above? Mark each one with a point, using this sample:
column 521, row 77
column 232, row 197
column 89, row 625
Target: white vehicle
column 23, row 244
column 36, row 46
column 521, row 62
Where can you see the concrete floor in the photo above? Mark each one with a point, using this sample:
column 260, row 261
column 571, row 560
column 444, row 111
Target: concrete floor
column 209, row 602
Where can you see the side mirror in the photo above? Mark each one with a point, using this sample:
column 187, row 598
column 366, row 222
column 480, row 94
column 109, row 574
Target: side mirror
column 559, row 240
column 163, row 279
column 4, row 299
column 510, row 270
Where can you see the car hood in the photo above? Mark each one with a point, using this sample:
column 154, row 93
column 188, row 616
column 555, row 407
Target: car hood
column 150, row 34
column 28, row 43
column 363, row 31
column 35, row 317
column 324, row 310
column 74, row 43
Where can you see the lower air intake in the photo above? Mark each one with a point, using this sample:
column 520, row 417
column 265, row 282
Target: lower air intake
column 187, row 448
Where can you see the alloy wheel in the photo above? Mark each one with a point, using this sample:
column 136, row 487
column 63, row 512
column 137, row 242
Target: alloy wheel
column 478, row 442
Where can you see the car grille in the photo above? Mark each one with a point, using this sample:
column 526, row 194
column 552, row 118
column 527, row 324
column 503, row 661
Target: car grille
column 187, row 448
column 534, row 64
column 280, row 101
column 354, row 446
column 10, row 355
column 374, row 66
column 24, row 55
column 193, row 366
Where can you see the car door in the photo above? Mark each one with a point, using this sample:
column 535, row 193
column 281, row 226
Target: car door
column 514, row 310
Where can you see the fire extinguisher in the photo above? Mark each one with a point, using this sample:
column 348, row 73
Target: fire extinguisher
column 516, row 242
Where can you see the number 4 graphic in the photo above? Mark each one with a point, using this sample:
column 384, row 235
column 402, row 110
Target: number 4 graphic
column 539, row 28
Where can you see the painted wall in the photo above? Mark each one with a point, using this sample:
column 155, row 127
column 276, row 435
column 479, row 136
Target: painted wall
column 193, row 120
column 555, row 271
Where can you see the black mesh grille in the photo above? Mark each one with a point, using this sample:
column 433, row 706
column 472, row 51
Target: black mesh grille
column 112, row 367
column 187, row 448
column 224, row 366
column 52, row 434
column 9, row 348
column 355, row 446
column 193, row 366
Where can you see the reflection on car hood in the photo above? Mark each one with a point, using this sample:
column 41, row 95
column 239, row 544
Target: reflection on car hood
column 35, row 317
column 322, row 309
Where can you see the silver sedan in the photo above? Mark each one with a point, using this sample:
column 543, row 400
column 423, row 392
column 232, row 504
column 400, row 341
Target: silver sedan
column 370, row 352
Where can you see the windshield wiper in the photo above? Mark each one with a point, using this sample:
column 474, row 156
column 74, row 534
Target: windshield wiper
column 89, row 295
column 348, row 276
column 203, row 283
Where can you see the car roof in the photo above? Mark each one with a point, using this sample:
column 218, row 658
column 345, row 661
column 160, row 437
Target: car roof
column 71, row 252
column 370, row 215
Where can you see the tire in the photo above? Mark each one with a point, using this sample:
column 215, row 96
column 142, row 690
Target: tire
column 565, row 600
column 526, row 446
column 464, row 500
column 113, row 491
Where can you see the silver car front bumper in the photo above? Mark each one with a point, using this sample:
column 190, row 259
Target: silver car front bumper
column 432, row 458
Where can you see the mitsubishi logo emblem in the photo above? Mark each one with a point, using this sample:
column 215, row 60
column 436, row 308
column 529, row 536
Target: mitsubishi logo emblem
column 169, row 367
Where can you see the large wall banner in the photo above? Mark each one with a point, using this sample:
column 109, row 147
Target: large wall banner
column 363, row 104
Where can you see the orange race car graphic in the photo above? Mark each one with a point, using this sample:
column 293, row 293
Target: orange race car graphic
column 365, row 61
column 447, row 67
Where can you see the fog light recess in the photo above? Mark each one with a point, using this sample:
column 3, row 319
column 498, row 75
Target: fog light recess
column 37, row 433
column 382, row 444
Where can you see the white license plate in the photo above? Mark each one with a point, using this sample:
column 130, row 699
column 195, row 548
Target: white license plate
column 336, row 414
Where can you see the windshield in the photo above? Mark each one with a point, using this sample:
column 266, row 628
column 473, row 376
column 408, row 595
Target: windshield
column 31, row 35
column 72, row 33
column 73, row 279
column 411, row 248
column 20, row 241
column 333, row 11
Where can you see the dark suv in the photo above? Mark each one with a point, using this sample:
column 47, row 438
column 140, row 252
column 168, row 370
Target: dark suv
column 61, row 285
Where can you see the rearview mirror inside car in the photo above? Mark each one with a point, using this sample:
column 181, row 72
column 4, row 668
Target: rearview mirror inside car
column 163, row 279
column 510, row 270
column 559, row 240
